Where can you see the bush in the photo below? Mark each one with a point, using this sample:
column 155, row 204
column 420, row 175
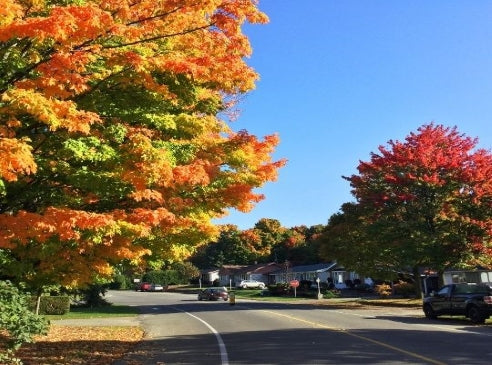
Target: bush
column 93, row 296
column 58, row 305
column 17, row 322
column 121, row 282
column 278, row 289
column 404, row 289
column 383, row 290
column 330, row 294
column 156, row 277
column 164, row 277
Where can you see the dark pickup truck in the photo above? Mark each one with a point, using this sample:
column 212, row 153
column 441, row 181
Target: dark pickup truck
column 470, row 300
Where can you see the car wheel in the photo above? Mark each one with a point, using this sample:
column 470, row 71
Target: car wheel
column 475, row 315
column 244, row 287
column 429, row 312
column 262, row 286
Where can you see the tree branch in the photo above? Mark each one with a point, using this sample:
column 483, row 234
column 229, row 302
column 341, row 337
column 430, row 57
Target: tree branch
column 163, row 36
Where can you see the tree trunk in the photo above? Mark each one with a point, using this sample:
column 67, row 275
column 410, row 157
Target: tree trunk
column 440, row 279
column 38, row 302
column 418, row 282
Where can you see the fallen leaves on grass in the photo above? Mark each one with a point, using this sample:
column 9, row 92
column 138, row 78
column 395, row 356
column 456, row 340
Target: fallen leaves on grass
column 80, row 345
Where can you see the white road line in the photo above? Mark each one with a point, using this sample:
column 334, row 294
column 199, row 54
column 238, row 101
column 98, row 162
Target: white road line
column 223, row 351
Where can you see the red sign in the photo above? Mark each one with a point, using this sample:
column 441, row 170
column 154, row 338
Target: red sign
column 294, row 283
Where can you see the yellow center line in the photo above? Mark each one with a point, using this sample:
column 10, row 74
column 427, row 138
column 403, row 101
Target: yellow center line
column 341, row 330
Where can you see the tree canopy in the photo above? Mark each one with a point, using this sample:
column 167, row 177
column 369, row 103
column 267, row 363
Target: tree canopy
column 425, row 202
column 268, row 241
column 112, row 143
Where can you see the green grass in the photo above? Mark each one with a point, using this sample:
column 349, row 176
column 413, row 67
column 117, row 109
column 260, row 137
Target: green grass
column 256, row 295
column 99, row 312
column 247, row 293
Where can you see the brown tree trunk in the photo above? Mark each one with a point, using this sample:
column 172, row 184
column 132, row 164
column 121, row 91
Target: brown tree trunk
column 418, row 282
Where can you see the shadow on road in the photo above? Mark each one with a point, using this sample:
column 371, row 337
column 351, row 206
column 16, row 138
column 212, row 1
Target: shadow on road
column 311, row 346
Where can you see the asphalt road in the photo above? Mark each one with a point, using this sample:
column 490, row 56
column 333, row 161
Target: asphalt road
column 182, row 330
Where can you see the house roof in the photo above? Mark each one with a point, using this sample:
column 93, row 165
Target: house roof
column 262, row 269
column 231, row 269
column 311, row 268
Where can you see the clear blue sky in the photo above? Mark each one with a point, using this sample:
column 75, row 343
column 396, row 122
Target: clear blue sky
column 340, row 78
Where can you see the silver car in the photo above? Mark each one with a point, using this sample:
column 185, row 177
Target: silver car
column 251, row 284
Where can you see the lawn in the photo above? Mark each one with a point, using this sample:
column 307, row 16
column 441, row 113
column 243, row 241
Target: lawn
column 98, row 312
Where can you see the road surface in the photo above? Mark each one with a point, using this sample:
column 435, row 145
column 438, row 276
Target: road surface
column 182, row 330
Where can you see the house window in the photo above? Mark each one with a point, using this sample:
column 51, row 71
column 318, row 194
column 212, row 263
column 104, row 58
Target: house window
column 465, row 277
column 338, row 277
column 486, row 277
column 472, row 277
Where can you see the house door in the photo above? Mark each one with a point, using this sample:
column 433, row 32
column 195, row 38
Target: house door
column 338, row 277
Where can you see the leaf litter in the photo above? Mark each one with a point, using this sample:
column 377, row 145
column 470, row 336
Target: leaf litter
column 80, row 345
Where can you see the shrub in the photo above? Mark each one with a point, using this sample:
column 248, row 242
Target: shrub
column 165, row 277
column 58, row 305
column 383, row 290
column 17, row 322
column 305, row 284
column 121, row 282
column 278, row 289
column 330, row 294
column 156, row 277
column 404, row 289
column 93, row 296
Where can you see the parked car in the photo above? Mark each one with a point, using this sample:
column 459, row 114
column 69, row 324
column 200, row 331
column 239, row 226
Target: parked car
column 213, row 293
column 251, row 284
column 142, row 286
column 149, row 287
column 156, row 287
column 470, row 300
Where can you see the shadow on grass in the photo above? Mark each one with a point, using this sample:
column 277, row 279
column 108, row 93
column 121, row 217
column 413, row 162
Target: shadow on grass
column 97, row 312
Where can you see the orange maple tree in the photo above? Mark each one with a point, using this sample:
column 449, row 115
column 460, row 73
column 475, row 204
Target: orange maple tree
column 111, row 141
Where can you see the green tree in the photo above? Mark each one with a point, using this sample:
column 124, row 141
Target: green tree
column 354, row 245
column 269, row 233
column 303, row 246
column 230, row 248
column 186, row 271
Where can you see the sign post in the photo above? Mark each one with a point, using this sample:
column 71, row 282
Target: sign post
column 294, row 284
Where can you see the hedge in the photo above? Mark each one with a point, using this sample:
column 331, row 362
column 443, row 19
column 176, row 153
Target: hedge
column 58, row 305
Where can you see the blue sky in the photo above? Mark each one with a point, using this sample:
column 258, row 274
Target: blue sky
column 340, row 78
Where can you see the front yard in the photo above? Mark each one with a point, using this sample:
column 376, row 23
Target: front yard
column 103, row 345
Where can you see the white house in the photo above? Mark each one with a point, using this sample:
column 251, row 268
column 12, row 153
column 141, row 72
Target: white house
column 327, row 272
column 207, row 277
